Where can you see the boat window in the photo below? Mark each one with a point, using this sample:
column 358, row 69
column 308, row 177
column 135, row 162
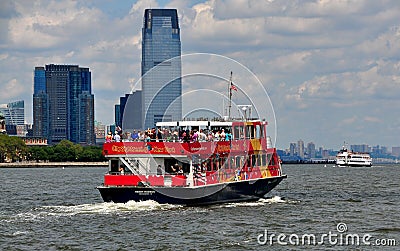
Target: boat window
column 114, row 166
column 259, row 132
column 248, row 161
column 263, row 160
column 185, row 167
column 215, row 164
column 238, row 162
column 170, row 162
column 258, row 160
column 238, row 132
column 253, row 160
column 232, row 164
column 222, row 163
column 272, row 161
column 269, row 156
column 250, row 132
column 208, row 164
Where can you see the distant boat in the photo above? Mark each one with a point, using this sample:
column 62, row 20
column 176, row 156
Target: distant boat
column 347, row 157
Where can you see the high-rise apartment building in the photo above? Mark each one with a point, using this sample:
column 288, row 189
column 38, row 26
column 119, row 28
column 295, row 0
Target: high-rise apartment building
column 63, row 105
column 14, row 113
column 300, row 148
column 292, row 149
column 161, row 67
column 311, row 153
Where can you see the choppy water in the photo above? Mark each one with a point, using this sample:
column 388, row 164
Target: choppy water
column 60, row 209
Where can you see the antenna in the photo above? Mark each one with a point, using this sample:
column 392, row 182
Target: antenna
column 246, row 108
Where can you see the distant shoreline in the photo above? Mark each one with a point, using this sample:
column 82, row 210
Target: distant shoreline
column 52, row 164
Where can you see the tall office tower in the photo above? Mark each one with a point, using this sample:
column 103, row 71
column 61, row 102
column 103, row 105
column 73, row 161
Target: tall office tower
column 40, row 126
column 63, row 106
column 14, row 113
column 161, row 67
column 128, row 113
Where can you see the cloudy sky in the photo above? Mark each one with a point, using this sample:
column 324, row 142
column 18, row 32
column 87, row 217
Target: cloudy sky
column 330, row 68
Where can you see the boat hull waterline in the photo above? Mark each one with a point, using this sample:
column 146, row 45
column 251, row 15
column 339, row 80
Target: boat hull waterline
column 239, row 191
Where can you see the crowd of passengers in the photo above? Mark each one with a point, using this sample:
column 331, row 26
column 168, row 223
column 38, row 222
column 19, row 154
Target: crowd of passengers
column 163, row 134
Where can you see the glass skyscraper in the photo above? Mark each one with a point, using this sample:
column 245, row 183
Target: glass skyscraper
column 128, row 112
column 63, row 105
column 161, row 67
column 14, row 113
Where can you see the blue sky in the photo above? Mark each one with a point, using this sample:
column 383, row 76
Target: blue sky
column 331, row 68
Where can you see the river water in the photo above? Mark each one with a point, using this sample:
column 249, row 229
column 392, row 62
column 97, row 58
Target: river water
column 60, row 209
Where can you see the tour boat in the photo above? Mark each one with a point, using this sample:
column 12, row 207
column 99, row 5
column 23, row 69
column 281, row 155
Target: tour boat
column 349, row 158
column 186, row 164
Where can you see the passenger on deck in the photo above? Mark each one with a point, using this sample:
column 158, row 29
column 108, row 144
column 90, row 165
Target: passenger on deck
column 109, row 137
column 117, row 138
column 210, row 136
column 193, row 136
column 135, row 135
column 159, row 170
column 141, row 135
column 147, row 137
column 202, row 136
column 222, row 135
column 228, row 136
column 118, row 130
column 177, row 169
column 121, row 170
column 175, row 136
column 216, row 136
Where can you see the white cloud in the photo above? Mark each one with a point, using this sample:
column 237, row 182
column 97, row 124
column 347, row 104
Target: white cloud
column 11, row 88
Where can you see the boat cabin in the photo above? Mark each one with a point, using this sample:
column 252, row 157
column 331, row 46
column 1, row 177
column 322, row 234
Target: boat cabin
column 193, row 153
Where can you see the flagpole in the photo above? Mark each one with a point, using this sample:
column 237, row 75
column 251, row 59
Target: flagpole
column 230, row 97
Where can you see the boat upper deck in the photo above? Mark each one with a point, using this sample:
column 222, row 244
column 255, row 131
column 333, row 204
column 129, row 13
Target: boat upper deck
column 184, row 138
column 143, row 149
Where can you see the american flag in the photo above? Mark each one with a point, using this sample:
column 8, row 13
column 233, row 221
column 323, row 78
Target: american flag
column 233, row 87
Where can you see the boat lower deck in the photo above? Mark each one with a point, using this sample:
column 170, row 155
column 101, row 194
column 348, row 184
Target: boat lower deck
column 237, row 191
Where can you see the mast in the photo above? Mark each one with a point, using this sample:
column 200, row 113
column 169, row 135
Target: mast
column 230, row 96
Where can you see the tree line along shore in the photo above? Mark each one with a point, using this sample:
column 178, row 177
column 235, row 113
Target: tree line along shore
column 14, row 150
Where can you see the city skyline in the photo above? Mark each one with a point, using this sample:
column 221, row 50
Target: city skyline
column 323, row 89
column 63, row 104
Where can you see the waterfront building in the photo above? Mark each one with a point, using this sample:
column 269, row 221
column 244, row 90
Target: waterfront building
column 63, row 104
column 360, row 148
column 14, row 113
column 161, row 67
column 300, row 148
column 311, row 150
column 292, row 149
column 100, row 132
column 2, row 124
column 396, row 151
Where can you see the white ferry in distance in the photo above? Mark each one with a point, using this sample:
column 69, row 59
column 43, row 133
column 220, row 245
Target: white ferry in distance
column 349, row 158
